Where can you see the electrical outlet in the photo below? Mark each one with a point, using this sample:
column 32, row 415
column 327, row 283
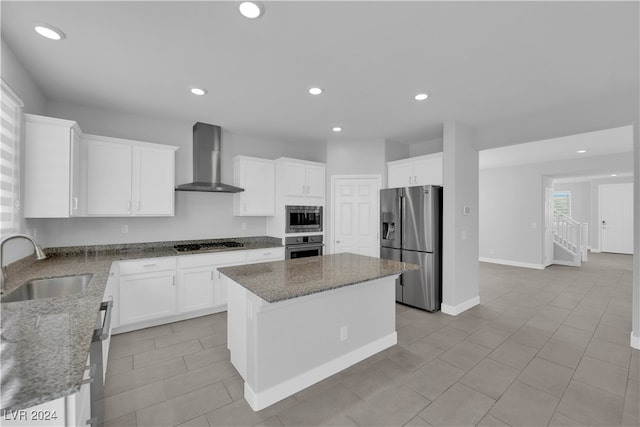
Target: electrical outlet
column 343, row 333
column 124, row 229
column 244, row 226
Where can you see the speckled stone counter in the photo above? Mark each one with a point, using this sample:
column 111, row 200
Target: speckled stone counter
column 281, row 280
column 45, row 342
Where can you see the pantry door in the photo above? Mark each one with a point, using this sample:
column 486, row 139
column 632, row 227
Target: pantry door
column 355, row 220
column 616, row 218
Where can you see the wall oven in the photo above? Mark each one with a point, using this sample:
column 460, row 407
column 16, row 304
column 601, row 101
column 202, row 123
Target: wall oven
column 303, row 219
column 302, row 246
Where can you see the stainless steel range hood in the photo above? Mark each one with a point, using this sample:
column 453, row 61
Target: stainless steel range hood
column 206, row 161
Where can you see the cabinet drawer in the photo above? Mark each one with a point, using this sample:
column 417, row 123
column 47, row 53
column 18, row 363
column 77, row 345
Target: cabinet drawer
column 147, row 265
column 211, row 259
column 267, row 254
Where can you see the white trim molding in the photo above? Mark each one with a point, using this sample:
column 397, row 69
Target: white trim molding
column 635, row 341
column 452, row 310
column 512, row 263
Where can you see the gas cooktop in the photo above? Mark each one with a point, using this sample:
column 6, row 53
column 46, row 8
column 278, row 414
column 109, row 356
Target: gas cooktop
column 190, row 247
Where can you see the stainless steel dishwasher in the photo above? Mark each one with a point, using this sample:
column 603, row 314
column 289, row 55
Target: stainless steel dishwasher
column 98, row 357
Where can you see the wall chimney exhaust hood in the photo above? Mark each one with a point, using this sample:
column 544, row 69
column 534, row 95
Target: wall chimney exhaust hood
column 206, row 161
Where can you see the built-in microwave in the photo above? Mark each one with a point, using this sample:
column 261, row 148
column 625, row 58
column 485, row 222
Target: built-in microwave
column 303, row 219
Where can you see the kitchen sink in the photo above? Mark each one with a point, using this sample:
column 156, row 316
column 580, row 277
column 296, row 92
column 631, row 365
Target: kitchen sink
column 49, row 288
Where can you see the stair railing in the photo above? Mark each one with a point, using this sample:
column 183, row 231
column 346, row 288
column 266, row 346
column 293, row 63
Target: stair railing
column 567, row 232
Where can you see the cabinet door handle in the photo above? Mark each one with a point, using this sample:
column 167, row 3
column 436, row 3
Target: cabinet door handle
column 149, row 265
column 138, row 205
column 266, row 254
column 212, row 275
column 129, row 206
column 174, row 280
column 75, row 203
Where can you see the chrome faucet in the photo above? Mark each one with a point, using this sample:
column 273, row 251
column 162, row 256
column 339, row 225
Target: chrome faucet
column 38, row 250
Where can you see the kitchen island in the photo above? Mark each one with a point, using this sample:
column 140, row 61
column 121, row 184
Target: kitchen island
column 293, row 323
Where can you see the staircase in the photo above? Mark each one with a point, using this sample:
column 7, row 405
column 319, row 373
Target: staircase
column 569, row 240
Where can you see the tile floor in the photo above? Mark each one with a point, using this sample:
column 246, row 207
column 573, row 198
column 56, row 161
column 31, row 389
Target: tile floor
column 544, row 348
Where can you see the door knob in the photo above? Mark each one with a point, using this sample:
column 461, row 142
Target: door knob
column 337, row 241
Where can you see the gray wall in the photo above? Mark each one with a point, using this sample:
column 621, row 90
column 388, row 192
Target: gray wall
column 460, row 288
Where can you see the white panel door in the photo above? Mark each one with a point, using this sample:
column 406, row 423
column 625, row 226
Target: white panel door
column 356, row 212
column 616, row 218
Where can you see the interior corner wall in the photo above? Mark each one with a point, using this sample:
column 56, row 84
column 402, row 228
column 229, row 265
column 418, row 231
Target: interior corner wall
column 460, row 289
column 426, row 147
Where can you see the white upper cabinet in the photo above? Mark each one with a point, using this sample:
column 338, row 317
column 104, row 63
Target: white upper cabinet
column 421, row 170
column 302, row 181
column 257, row 177
column 129, row 178
column 52, row 177
column 153, row 180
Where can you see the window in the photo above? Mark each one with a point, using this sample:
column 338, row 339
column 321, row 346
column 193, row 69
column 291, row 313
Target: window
column 11, row 117
column 562, row 202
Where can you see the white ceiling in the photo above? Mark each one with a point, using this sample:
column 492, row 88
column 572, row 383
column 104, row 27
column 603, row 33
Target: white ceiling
column 599, row 143
column 481, row 61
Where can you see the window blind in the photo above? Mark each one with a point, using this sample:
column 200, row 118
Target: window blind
column 10, row 119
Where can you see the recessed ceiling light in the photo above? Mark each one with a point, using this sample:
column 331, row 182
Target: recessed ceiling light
column 251, row 9
column 49, row 31
column 581, row 151
column 337, row 129
column 613, row 174
column 198, row 91
column 421, row 96
column 315, row 91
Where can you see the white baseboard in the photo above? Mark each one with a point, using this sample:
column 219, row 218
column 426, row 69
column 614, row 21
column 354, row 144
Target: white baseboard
column 635, row 341
column 168, row 319
column 595, row 250
column 457, row 309
column 567, row 263
column 512, row 263
column 260, row 400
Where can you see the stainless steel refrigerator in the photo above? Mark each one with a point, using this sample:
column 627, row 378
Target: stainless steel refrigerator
column 411, row 231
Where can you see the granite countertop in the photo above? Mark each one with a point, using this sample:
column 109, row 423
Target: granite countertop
column 45, row 342
column 281, row 280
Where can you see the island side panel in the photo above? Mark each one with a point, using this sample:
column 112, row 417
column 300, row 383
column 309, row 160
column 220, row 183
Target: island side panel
column 236, row 324
column 293, row 344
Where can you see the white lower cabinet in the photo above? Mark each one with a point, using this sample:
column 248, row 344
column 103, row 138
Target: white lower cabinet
column 155, row 291
column 147, row 289
column 199, row 282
